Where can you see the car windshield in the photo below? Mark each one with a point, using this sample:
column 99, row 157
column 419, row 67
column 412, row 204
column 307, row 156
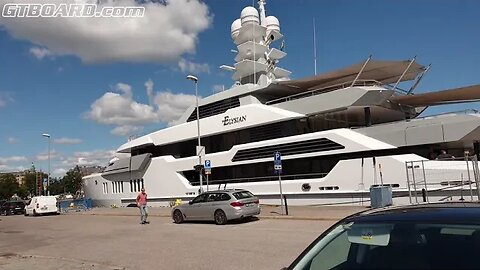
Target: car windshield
column 394, row 246
column 242, row 195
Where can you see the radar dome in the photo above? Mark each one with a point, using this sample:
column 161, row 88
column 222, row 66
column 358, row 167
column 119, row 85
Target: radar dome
column 249, row 15
column 236, row 25
column 272, row 23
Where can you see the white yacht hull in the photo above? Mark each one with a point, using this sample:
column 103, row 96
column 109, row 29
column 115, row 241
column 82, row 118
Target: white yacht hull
column 347, row 183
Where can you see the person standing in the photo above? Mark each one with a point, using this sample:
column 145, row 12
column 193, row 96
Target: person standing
column 445, row 156
column 142, row 205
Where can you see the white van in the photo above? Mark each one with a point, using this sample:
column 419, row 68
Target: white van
column 42, row 205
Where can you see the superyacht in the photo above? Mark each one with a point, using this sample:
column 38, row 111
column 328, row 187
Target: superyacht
column 339, row 133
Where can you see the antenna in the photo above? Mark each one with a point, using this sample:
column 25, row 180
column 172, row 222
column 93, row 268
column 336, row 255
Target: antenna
column 261, row 7
column 314, row 47
column 254, row 58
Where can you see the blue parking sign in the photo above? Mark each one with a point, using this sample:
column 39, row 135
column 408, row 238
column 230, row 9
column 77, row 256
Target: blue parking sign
column 277, row 156
column 208, row 164
column 277, row 161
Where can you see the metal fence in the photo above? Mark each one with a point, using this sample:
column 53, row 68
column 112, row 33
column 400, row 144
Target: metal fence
column 441, row 180
column 75, row 205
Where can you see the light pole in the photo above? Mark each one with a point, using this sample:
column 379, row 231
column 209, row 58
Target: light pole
column 199, row 148
column 48, row 176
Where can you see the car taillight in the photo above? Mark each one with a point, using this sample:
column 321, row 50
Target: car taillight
column 256, row 202
column 38, row 205
column 236, row 204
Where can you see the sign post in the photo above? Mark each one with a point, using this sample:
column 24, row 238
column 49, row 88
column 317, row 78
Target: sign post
column 201, row 156
column 277, row 166
column 208, row 169
column 45, row 183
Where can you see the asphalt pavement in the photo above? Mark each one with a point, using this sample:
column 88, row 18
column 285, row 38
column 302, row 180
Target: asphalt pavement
column 112, row 238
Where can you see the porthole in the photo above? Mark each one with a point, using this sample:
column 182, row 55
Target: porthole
column 306, row 187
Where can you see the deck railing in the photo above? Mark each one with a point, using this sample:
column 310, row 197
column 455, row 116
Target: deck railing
column 323, row 90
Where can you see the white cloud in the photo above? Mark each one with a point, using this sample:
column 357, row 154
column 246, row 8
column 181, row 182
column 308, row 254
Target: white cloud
column 59, row 171
column 167, row 31
column 5, row 98
column 89, row 158
column 7, row 168
column 40, row 53
column 12, row 140
column 67, row 141
column 120, row 109
column 187, row 66
column 171, row 106
column 149, row 88
column 128, row 115
column 12, row 163
column 85, row 158
column 44, row 155
column 218, row 88
column 125, row 130
column 12, row 159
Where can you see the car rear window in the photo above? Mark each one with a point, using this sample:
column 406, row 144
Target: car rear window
column 242, row 195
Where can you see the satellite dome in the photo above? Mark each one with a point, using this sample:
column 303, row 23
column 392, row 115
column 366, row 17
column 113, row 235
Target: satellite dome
column 236, row 25
column 249, row 15
column 272, row 23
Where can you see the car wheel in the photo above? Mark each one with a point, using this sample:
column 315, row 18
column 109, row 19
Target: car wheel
column 220, row 217
column 177, row 217
column 25, row 213
column 248, row 219
column 35, row 213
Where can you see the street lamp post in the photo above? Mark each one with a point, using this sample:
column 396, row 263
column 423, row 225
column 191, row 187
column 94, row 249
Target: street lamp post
column 195, row 79
column 48, row 176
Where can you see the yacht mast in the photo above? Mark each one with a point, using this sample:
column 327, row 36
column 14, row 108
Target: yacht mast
column 253, row 34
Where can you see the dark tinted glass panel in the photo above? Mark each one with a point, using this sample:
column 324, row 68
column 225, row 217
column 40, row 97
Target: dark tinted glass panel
column 242, row 195
column 293, row 169
column 200, row 198
column 214, row 108
column 224, row 197
column 294, row 148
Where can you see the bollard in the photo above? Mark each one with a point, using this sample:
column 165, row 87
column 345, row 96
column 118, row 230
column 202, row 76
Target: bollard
column 286, row 205
column 424, row 195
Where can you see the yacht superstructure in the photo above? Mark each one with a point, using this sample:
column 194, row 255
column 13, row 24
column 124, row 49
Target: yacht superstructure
column 339, row 133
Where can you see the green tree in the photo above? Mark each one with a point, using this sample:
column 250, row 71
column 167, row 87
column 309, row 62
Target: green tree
column 31, row 182
column 57, row 186
column 72, row 181
column 22, row 192
column 8, row 185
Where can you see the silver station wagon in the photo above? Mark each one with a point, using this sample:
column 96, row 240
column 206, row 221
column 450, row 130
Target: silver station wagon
column 219, row 206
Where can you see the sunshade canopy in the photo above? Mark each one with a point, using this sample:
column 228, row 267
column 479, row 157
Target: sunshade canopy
column 456, row 95
column 385, row 72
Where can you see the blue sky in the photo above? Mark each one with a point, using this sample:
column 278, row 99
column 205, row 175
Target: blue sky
column 54, row 75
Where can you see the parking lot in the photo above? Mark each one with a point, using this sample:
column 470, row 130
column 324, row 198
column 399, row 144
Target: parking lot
column 101, row 241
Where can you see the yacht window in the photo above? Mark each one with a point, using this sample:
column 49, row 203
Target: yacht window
column 293, row 169
column 300, row 147
column 214, row 108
